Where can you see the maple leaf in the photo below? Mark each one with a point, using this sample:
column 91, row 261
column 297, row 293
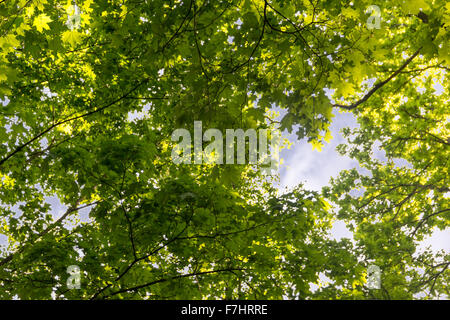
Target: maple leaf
column 350, row 13
column 345, row 89
column 20, row 30
column 317, row 145
column 41, row 22
column 72, row 37
column 328, row 136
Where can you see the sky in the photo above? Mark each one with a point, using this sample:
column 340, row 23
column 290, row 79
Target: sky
column 314, row 169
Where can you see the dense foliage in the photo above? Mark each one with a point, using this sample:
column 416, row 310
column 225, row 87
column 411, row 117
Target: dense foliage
column 87, row 115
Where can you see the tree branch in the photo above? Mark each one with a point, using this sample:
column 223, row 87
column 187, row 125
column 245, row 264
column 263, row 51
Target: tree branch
column 171, row 278
column 378, row 85
column 46, row 231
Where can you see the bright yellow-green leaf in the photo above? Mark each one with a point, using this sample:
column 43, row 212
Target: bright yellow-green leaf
column 317, row 145
column 20, row 30
column 29, row 11
column 350, row 13
column 414, row 6
column 41, row 22
column 328, row 136
column 71, row 37
column 345, row 89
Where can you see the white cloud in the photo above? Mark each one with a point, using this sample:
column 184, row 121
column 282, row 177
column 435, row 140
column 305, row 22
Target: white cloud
column 313, row 168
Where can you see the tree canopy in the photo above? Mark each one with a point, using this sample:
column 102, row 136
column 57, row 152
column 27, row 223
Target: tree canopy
column 89, row 107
